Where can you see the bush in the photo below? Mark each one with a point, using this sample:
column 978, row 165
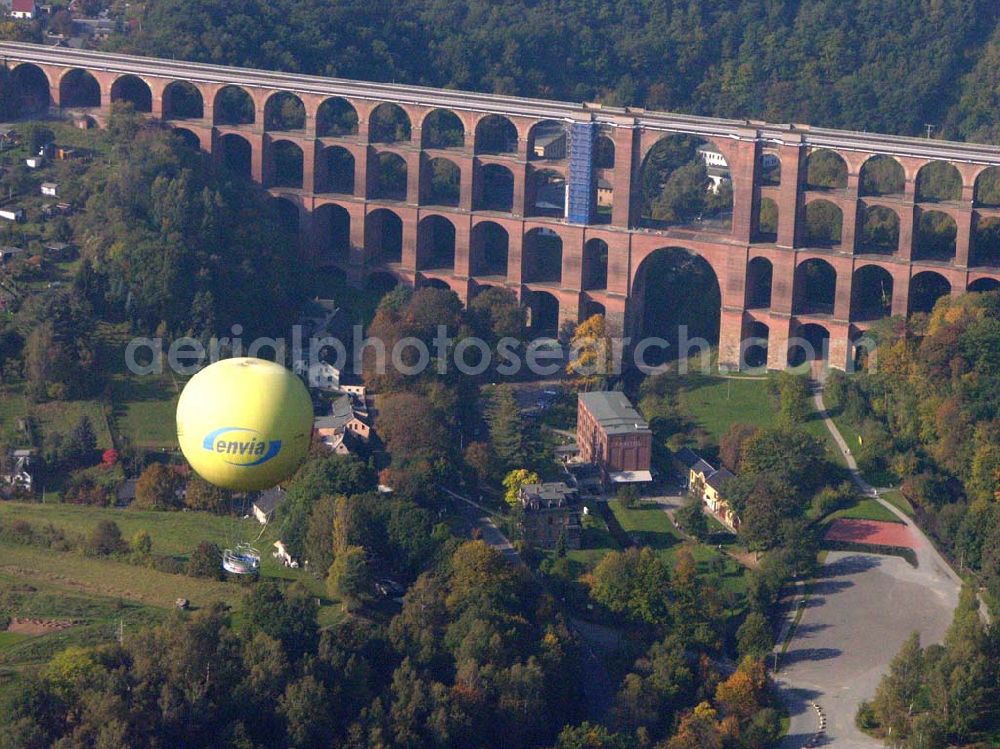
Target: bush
column 105, row 539
column 692, row 519
column 206, row 561
column 865, row 718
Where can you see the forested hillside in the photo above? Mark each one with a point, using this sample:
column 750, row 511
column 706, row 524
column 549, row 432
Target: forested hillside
column 886, row 65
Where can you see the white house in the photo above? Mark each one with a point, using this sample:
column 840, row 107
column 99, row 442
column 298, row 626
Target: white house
column 34, row 162
column 12, row 214
column 715, row 165
column 50, row 188
column 324, row 376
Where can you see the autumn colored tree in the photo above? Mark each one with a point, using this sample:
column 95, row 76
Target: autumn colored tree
column 591, row 352
column 157, row 487
column 516, row 480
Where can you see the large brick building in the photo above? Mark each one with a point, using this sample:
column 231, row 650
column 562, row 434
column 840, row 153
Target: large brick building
column 611, row 434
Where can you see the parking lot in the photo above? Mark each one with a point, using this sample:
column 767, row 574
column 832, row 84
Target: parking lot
column 857, row 617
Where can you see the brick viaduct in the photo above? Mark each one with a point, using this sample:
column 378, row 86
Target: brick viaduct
column 556, row 253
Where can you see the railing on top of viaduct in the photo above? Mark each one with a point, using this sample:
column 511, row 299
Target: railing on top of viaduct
column 633, row 132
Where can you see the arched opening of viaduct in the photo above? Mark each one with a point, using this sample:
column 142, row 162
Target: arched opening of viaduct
column 789, row 234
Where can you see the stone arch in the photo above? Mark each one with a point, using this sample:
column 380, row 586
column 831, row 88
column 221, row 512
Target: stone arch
column 770, row 169
column 236, row 154
column 337, row 171
column 685, row 180
column 595, row 264
column 871, row 293
column 489, row 249
column 496, row 134
column 286, row 213
column 825, row 170
column 548, row 191
column 182, row 100
column 676, row 296
column 333, row 231
column 284, row 111
column 233, row 106
column 134, row 90
column 938, row 181
column 766, row 229
column 815, row 287
column 926, row 288
column 541, row 257
column 191, row 140
column 435, row 244
column 286, row 164
column 985, row 250
column 878, row 232
column 543, row 313
column 383, row 237
column 496, row 189
column 381, row 282
column 987, row 192
column 882, row 175
column 78, row 88
column 604, row 152
column 935, row 237
column 823, row 223
column 760, row 277
column 591, row 308
column 389, row 179
column 753, row 348
column 442, row 182
column 336, row 117
column 442, row 128
column 389, row 123
column 810, row 343
column 433, row 283
column 548, row 140
column 32, row 87
column 984, row 285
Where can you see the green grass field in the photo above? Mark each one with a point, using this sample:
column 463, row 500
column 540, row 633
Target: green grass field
column 865, row 509
column 714, row 403
column 144, row 409
column 173, row 533
column 651, row 526
column 8, row 639
column 897, row 500
column 595, row 541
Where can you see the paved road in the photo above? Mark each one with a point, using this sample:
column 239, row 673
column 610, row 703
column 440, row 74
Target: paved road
column 860, row 611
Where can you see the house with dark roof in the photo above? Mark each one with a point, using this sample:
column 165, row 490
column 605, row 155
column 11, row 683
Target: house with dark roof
column 345, row 420
column 611, row 434
column 267, row 502
column 550, row 510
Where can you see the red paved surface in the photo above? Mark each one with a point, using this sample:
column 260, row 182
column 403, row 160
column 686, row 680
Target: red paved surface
column 870, row 532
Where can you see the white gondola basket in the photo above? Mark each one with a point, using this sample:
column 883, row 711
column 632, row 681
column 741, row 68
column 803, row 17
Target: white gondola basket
column 242, row 560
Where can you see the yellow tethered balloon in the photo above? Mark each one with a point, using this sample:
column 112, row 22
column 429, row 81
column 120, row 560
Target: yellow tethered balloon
column 244, row 424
